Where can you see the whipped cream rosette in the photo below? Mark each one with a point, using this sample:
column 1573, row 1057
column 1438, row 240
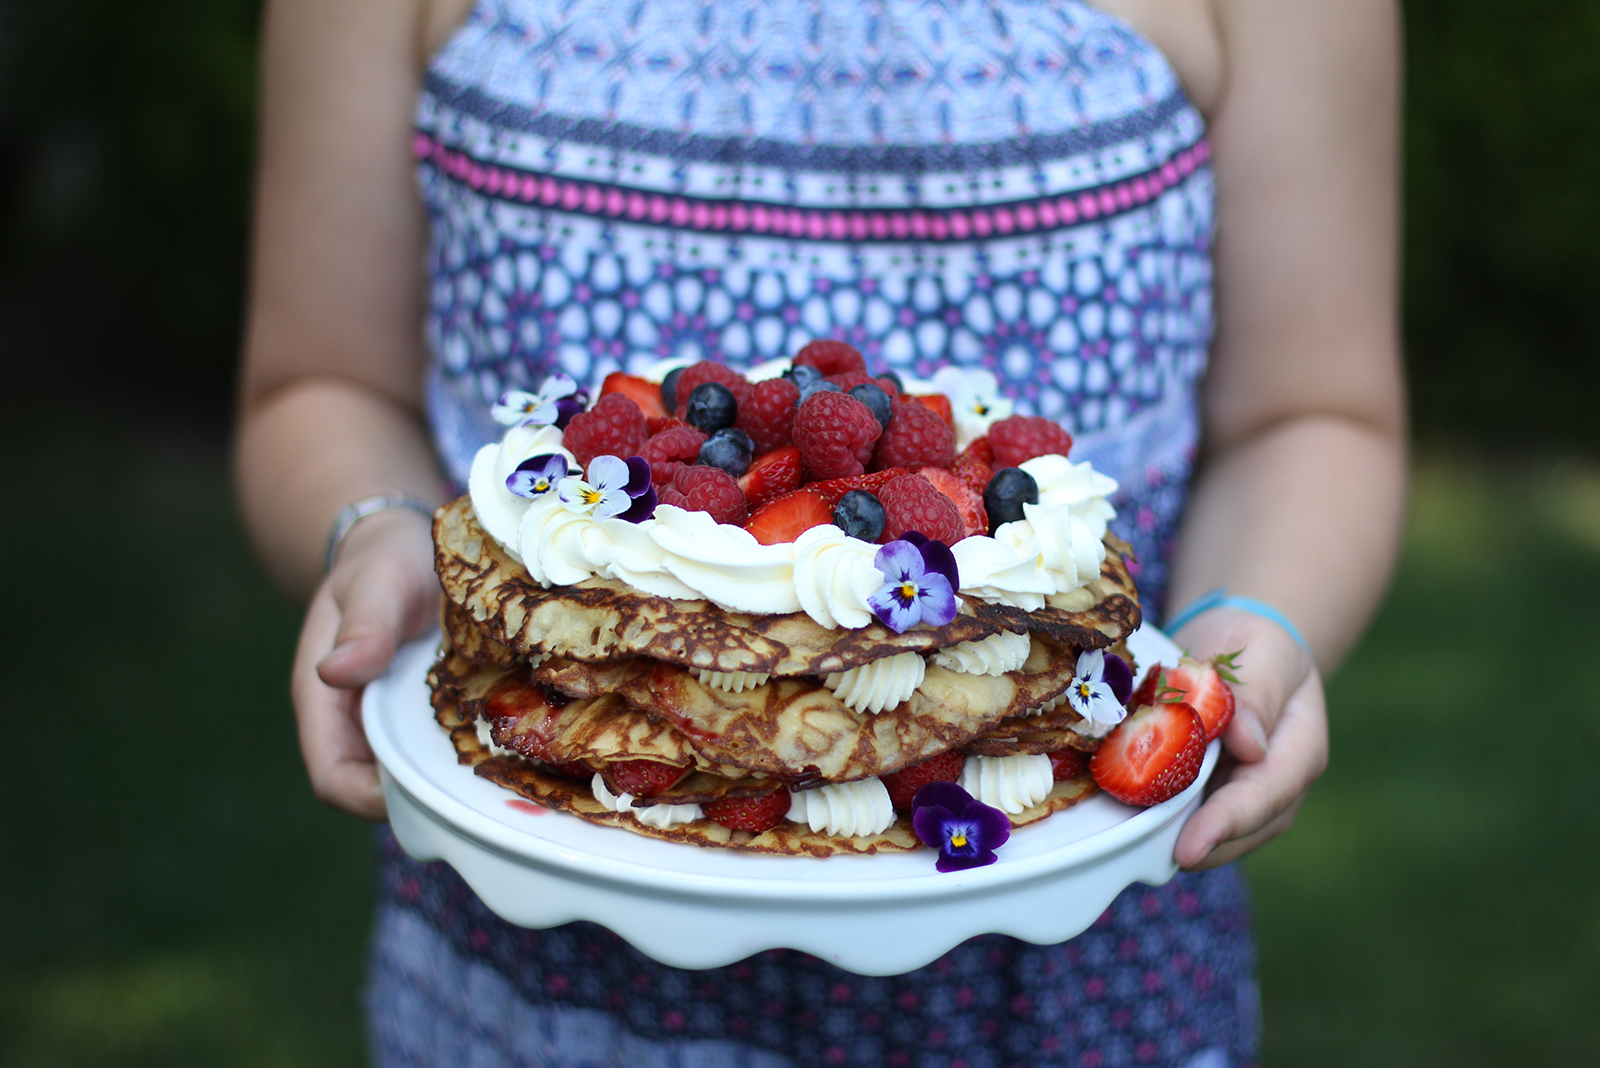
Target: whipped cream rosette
column 771, row 612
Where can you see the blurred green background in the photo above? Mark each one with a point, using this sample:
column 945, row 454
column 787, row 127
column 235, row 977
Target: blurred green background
column 165, row 900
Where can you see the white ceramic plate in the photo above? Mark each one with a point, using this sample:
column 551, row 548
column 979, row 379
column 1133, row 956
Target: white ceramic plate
column 701, row 908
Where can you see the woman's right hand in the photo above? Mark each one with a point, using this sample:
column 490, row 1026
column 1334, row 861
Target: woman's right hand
column 381, row 592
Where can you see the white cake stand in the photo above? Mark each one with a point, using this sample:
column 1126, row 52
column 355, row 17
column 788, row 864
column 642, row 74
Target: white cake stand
column 701, row 908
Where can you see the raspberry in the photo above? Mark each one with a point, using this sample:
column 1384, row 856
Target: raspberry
column 835, row 434
column 707, row 489
column 652, row 427
column 669, row 449
column 971, row 469
column 613, row 427
column 851, row 379
column 766, row 413
column 974, row 520
column 916, row 437
column 911, row 503
column 708, row 371
column 1022, row 437
column 831, row 357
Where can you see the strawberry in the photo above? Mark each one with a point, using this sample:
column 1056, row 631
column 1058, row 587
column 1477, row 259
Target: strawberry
column 968, row 503
column 1152, row 755
column 904, row 784
column 519, row 711
column 1068, row 763
column 1203, row 685
column 980, row 449
column 786, row 518
column 641, row 778
column 939, row 405
column 971, row 469
column 753, row 814
column 834, row 488
column 831, row 357
column 571, row 769
column 643, row 392
column 772, row 476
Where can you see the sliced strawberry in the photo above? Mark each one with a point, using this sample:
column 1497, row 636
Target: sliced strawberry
column 786, row 518
column 642, row 778
column 643, row 392
column 831, row 490
column 1068, row 764
column 753, row 814
column 939, row 404
column 772, row 476
column 572, row 769
column 980, row 449
column 1152, row 755
column 904, row 784
column 1145, row 694
column 1203, row 685
column 519, row 712
column 968, row 503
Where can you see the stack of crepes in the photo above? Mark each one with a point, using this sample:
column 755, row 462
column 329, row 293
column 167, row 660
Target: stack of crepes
column 679, row 679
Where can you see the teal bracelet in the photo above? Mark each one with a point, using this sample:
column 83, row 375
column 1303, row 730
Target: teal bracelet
column 1218, row 598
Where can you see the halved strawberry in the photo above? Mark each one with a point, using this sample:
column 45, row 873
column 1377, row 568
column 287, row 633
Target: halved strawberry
column 1152, row 755
column 979, row 449
column 832, row 489
column 786, row 518
column 971, row 469
column 519, row 711
column 753, row 814
column 1068, row 764
column 904, row 784
column 939, row 404
column 643, row 392
column 968, row 503
column 641, row 778
column 1201, row 684
column 772, row 476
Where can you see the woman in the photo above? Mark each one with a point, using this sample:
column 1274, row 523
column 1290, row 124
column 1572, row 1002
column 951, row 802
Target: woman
column 1031, row 187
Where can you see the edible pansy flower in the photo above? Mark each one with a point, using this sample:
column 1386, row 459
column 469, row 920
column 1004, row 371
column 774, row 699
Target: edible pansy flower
column 975, row 399
column 615, row 489
column 920, row 583
column 537, row 475
column 964, row 830
column 557, row 401
column 1102, row 687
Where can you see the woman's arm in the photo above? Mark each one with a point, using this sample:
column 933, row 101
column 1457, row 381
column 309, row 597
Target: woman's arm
column 1300, row 493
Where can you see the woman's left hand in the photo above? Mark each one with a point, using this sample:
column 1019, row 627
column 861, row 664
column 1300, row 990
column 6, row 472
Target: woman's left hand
column 1275, row 748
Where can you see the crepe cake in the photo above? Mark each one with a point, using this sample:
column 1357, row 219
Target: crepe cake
column 681, row 678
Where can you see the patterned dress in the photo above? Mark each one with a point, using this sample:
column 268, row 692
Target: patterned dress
column 1017, row 185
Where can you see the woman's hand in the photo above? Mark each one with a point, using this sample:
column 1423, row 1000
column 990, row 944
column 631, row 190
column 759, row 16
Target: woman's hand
column 1275, row 748
column 381, row 592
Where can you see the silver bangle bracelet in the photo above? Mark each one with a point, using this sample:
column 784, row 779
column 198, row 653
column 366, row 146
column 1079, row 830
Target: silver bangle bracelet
column 355, row 512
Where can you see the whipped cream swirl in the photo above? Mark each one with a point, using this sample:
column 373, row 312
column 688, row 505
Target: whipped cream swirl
column 1009, row 783
column 882, row 684
column 499, row 510
column 660, row 816
column 845, row 809
column 732, row 681
column 994, row 655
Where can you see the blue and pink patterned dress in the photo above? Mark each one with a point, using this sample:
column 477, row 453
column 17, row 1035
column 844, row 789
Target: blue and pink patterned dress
column 1015, row 185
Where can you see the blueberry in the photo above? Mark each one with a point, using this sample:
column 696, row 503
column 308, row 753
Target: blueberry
column 711, row 407
column 802, row 373
column 729, row 449
column 817, row 386
column 873, row 396
column 1004, row 496
column 669, row 389
column 860, row 515
column 899, row 383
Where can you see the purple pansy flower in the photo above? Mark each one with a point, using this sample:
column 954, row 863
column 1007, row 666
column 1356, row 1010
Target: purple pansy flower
column 537, row 475
column 1101, row 689
column 920, row 583
column 557, row 401
column 616, row 488
column 965, row 831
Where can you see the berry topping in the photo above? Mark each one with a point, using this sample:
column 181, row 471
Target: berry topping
column 972, row 470
column 830, row 357
column 860, row 515
column 772, row 476
column 904, row 784
column 753, row 814
column 1068, row 764
column 831, row 490
column 820, row 385
column 652, row 427
column 786, row 518
column 1022, row 437
column 939, row 405
column 911, row 503
column 850, row 380
column 892, row 384
column 767, row 413
column 872, row 395
column 706, row 371
column 835, row 434
column 1152, row 755
column 729, row 449
column 613, row 427
column 707, row 489
column 802, row 374
column 1200, row 684
column 669, row 389
column 711, row 407
column 641, row 778
column 973, row 517
column 643, row 392
column 980, row 448
column 1006, row 493
column 916, row 437
column 671, row 449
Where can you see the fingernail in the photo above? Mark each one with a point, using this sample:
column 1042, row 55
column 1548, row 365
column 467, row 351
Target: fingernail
column 1252, row 726
column 343, row 647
